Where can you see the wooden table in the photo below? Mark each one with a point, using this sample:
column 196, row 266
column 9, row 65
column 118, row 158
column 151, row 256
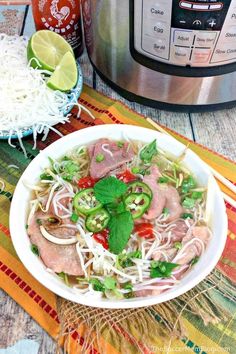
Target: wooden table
column 216, row 130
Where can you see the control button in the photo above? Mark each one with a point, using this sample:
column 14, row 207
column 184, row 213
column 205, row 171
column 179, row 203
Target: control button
column 181, row 54
column 211, row 22
column 197, row 24
column 183, row 38
column 156, row 28
column 233, row 17
column 201, row 55
column 205, row 39
column 158, row 47
column 185, row 5
column 158, row 10
column 200, row 7
column 230, row 34
column 216, row 6
column 224, row 53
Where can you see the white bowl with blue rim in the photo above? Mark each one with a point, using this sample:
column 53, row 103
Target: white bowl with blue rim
column 72, row 96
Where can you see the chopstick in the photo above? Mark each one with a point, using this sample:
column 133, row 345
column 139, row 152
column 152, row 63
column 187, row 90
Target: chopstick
column 221, row 178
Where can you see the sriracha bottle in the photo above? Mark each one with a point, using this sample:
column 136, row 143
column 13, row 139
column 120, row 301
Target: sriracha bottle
column 62, row 17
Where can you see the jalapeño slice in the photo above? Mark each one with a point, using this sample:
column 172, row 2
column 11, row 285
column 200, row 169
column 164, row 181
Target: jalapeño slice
column 139, row 187
column 85, row 202
column 97, row 220
column 137, row 204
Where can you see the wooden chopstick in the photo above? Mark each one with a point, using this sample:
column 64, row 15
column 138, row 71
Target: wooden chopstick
column 221, row 178
column 229, row 200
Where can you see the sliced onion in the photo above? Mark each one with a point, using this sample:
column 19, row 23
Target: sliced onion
column 57, row 240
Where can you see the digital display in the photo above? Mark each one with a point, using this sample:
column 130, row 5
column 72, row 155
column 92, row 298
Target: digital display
column 199, row 14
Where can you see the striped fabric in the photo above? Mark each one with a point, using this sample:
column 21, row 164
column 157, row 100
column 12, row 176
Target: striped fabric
column 40, row 303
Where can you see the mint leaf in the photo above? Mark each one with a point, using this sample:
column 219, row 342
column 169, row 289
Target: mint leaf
column 115, row 208
column 109, row 283
column 149, row 151
column 161, row 269
column 120, row 228
column 109, row 190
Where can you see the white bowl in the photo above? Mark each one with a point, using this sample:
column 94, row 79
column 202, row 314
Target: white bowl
column 20, row 202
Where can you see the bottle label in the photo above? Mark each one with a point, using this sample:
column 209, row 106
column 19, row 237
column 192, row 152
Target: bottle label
column 62, row 17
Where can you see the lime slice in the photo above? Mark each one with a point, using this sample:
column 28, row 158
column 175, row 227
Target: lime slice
column 48, row 48
column 65, row 76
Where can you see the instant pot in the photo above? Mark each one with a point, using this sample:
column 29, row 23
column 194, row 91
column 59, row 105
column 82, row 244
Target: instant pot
column 171, row 54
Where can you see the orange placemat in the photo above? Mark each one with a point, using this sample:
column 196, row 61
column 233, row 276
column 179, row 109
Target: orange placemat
column 40, row 303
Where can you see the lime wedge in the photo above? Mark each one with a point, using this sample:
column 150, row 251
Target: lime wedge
column 65, row 76
column 48, row 48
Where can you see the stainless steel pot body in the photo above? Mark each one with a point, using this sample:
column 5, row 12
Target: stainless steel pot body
column 110, row 36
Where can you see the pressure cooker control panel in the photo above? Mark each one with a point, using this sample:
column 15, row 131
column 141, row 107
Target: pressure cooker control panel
column 181, row 32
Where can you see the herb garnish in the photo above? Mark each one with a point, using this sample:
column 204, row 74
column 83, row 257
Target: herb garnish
column 34, row 249
column 163, row 180
column 149, row 151
column 187, row 216
column 194, row 260
column 46, row 177
column 196, row 195
column 108, row 284
column 187, row 184
column 178, row 245
column 189, row 203
column 162, row 269
column 120, row 227
column 64, row 277
column 109, row 190
column 100, row 158
column 165, row 211
column 125, row 259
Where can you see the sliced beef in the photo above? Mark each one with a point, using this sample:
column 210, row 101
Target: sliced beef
column 170, row 253
column 178, row 231
column 158, row 199
column 59, row 258
column 164, row 196
column 194, row 249
column 173, row 204
column 114, row 157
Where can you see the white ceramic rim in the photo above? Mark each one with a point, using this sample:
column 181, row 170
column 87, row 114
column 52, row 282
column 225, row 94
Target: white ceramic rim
column 36, row 267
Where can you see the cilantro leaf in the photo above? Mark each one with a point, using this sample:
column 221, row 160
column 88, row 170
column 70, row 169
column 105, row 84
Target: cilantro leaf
column 120, row 228
column 149, row 151
column 186, row 216
column 161, row 269
column 197, row 195
column 194, row 260
column 188, row 183
column 97, row 284
column 128, row 286
column 110, row 283
column 109, row 190
column 189, row 203
column 125, row 259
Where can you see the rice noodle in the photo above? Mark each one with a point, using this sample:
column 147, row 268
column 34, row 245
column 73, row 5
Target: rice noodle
column 104, row 148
